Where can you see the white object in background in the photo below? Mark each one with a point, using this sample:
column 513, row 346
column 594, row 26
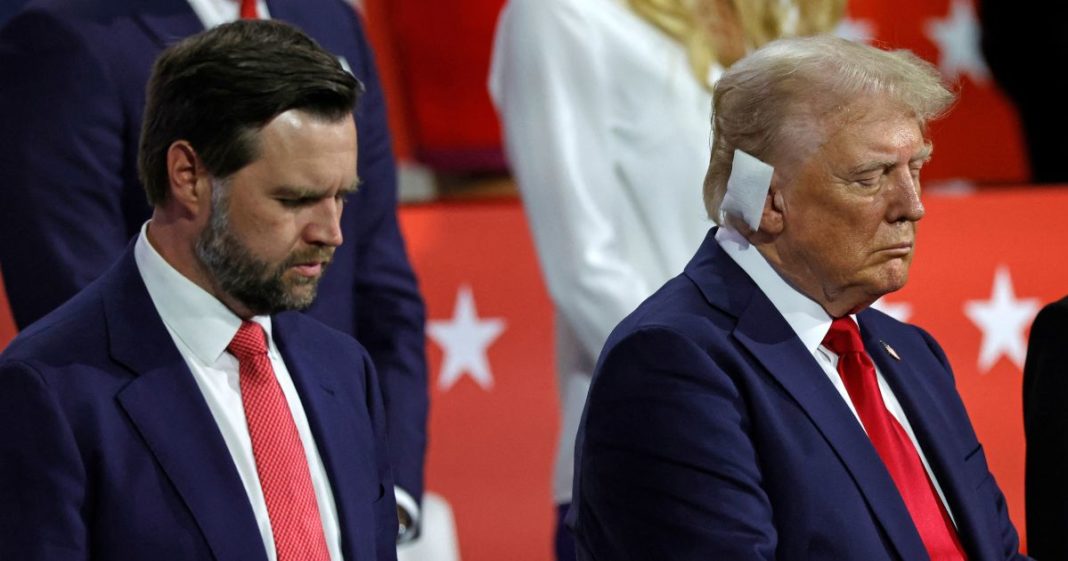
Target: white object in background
column 415, row 182
column 437, row 540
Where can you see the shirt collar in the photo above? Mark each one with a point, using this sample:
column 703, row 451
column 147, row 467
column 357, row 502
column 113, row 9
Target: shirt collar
column 804, row 315
column 217, row 12
column 202, row 322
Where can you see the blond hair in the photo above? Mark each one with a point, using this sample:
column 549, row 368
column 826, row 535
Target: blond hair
column 722, row 31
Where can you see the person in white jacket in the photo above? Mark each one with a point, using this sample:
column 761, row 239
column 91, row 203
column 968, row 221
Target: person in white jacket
column 606, row 108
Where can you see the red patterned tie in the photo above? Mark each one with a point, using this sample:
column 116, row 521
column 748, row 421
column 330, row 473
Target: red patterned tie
column 892, row 443
column 248, row 9
column 280, row 460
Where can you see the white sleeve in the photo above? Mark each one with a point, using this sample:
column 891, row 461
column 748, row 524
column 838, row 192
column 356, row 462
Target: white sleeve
column 552, row 91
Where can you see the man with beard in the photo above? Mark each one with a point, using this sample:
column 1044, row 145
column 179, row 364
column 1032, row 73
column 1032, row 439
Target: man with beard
column 72, row 105
column 177, row 408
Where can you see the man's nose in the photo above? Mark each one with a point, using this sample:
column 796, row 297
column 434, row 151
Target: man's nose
column 905, row 203
column 324, row 225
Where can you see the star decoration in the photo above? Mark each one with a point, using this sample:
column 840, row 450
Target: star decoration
column 897, row 310
column 1002, row 319
column 957, row 37
column 856, row 30
column 463, row 341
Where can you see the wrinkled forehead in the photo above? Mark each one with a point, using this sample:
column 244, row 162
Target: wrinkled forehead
column 813, row 125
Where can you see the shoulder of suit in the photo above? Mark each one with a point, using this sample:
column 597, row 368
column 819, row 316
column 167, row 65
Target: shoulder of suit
column 1052, row 317
column 1059, row 307
column 76, row 327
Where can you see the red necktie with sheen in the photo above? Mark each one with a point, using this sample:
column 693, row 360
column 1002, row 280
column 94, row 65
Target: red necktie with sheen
column 248, row 9
column 280, row 460
column 892, row 443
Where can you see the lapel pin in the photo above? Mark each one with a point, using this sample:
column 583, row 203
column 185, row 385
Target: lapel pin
column 890, row 350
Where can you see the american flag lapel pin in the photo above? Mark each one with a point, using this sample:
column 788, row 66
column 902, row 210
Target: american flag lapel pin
column 890, row 350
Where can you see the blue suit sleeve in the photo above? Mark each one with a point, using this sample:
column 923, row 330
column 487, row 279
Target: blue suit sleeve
column 667, row 469
column 61, row 165
column 390, row 314
column 386, row 507
column 42, row 478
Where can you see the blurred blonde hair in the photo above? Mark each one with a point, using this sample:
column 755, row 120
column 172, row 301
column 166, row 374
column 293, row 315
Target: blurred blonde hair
column 723, row 31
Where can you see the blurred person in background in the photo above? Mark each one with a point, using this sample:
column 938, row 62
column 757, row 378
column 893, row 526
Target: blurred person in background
column 605, row 106
column 1045, row 405
column 71, row 103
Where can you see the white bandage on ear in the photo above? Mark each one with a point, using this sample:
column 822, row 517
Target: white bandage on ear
column 747, row 188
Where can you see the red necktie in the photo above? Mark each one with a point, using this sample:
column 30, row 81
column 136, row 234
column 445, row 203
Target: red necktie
column 248, row 9
column 280, row 460
column 892, row 443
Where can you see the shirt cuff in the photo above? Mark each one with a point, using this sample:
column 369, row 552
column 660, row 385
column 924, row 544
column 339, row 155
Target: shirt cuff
column 408, row 504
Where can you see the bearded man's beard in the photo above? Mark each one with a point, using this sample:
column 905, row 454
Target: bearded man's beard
column 259, row 285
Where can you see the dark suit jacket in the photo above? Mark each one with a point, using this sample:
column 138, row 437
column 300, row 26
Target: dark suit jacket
column 109, row 451
column 712, row 433
column 74, row 75
column 1045, row 405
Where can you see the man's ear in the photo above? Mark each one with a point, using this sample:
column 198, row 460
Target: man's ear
column 190, row 183
column 771, row 221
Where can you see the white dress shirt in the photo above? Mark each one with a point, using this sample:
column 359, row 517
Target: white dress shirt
column 202, row 327
column 811, row 323
column 608, row 134
column 217, row 12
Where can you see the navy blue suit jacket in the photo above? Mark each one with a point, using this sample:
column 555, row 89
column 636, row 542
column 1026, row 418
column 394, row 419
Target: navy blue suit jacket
column 1045, row 392
column 74, row 75
column 109, row 451
column 712, row 433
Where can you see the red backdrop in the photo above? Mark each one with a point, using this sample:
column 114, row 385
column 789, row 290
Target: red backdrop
column 491, row 448
column 7, row 324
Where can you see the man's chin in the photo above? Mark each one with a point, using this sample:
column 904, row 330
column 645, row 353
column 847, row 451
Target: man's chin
column 300, row 296
column 892, row 275
column 296, row 297
column 883, row 289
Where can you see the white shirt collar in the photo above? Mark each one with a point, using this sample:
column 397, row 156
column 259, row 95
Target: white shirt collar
column 202, row 322
column 217, row 12
column 804, row 315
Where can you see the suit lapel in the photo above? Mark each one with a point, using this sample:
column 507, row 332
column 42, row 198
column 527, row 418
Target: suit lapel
column 168, row 21
column 331, row 419
column 170, row 413
column 288, row 11
column 762, row 330
column 929, row 421
column 309, row 21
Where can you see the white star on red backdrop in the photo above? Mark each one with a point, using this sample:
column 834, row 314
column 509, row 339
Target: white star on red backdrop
column 1002, row 319
column 957, row 38
column 464, row 340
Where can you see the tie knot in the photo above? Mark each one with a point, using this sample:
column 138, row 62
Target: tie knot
column 844, row 337
column 249, row 341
